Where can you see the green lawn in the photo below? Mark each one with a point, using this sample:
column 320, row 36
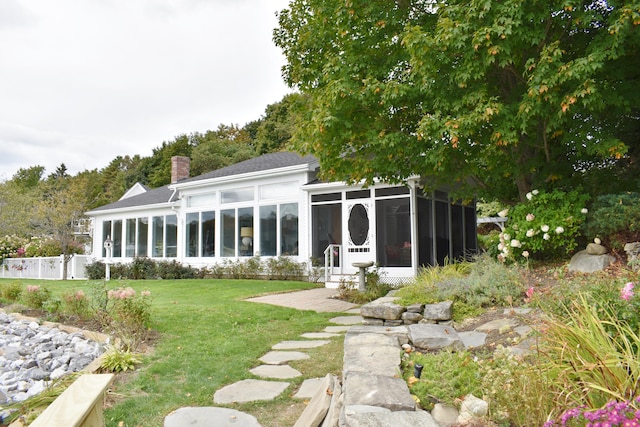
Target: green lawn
column 208, row 338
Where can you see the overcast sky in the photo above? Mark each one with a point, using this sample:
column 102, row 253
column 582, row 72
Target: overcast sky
column 83, row 81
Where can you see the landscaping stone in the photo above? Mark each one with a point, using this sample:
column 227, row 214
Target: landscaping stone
column 439, row 311
column 383, row 360
column 385, row 310
column 633, row 251
column 281, row 372
column 582, row 262
column 434, row 337
column 445, row 415
column 372, row 321
column 282, row 357
column 473, row 338
column 317, row 409
column 335, row 407
column 209, row 416
column 370, row 340
column 400, row 332
column 409, row 316
column 472, row 407
column 377, row 390
column 347, row 320
column 308, row 388
column 395, row 419
column 291, row 345
column 596, row 249
column 415, row 308
column 497, row 324
column 336, row 329
column 249, row 391
column 319, row 335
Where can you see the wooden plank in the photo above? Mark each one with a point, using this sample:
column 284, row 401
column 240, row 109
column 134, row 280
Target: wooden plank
column 80, row 405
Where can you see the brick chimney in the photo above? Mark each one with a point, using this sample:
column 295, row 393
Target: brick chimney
column 179, row 168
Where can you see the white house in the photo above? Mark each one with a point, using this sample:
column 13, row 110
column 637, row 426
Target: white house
column 273, row 205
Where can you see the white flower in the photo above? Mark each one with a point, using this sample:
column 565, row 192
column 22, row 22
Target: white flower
column 525, row 254
column 500, row 246
column 559, row 230
column 544, row 228
column 535, row 192
column 516, row 243
column 546, row 236
column 529, row 195
column 531, row 217
column 506, row 236
column 584, row 210
column 503, row 213
column 530, row 232
column 597, row 241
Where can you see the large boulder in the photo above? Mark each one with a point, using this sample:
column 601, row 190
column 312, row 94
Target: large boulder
column 434, row 337
column 583, row 262
column 386, row 310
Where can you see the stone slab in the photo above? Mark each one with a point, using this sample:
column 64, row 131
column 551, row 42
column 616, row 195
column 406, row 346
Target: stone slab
column 291, row 345
column 473, row 338
column 335, row 407
column 281, row 372
column 249, row 391
column 336, row 329
column 347, row 320
column 355, row 310
column 382, row 310
column 377, row 390
column 395, row 419
column 209, row 416
column 401, row 332
column 308, row 388
column 434, row 337
column 319, row 335
column 317, row 408
column 498, row 324
column 373, row 340
column 584, row 263
column 378, row 360
column 282, row 357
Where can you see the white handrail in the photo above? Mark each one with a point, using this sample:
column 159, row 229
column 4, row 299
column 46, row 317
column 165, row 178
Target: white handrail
column 329, row 260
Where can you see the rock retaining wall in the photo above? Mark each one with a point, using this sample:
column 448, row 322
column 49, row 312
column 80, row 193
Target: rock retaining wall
column 385, row 312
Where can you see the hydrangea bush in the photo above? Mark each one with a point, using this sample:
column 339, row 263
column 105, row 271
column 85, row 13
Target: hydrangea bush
column 547, row 224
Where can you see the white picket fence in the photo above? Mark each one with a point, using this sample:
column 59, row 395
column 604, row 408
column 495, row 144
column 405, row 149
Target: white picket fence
column 44, row 267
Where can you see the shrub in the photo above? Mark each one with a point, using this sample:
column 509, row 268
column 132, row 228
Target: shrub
column 77, row 304
column 613, row 414
column 445, row 376
column 11, row 291
column 174, row 270
column 130, row 315
column 36, row 296
column 141, row 268
column 615, row 219
column 547, row 226
column 117, row 360
column 284, row 268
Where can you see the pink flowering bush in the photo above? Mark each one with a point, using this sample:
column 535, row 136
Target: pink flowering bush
column 36, row 296
column 77, row 304
column 130, row 315
column 613, row 414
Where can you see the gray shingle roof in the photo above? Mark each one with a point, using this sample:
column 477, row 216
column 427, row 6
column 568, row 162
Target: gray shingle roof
column 261, row 163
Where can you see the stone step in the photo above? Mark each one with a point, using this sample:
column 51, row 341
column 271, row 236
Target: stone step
column 249, row 391
column 281, row 372
column 291, row 345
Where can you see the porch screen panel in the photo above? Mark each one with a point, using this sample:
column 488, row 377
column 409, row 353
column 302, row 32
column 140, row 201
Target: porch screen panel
column 117, row 238
column 171, row 236
column 442, row 232
column 106, row 232
column 289, row 229
column 268, row 230
column 245, row 231
column 143, row 235
column 157, row 236
column 326, row 228
column 208, row 238
column 191, row 234
column 457, row 232
column 393, row 229
column 228, row 238
column 130, row 240
column 471, row 236
column 425, row 232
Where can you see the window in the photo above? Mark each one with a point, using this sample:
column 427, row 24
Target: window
column 289, row 229
column 268, row 230
column 112, row 230
column 238, row 195
column 157, row 237
column 130, row 242
column 245, row 231
column 143, row 234
column 165, row 236
column 208, row 233
column 191, row 234
column 279, row 190
column 201, row 200
column 171, row 236
column 228, row 238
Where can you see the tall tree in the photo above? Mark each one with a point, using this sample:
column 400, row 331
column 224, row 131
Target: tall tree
column 276, row 127
column 508, row 95
column 224, row 146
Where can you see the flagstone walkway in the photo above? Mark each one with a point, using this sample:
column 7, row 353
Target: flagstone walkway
column 275, row 363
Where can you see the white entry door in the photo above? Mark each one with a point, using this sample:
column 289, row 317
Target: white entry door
column 359, row 232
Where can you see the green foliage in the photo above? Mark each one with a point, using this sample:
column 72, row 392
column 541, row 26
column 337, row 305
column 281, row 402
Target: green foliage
column 507, row 95
column 11, row 291
column 446, row 375
column 374, row 288
column 546, row 225
column 77, row 304
column 174, row 270
column 129, row 314
column 219, row 148
column 615, row 219
column 36, row 296
column 472, row 286
column 118, row 360
column 10, row 246
column 141, row 268
column 591, row 355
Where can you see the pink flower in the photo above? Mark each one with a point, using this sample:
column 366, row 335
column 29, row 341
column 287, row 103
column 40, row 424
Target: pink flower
column 145, row 293
column 626, row 293
column 33, row 288
column 79, row 295
column 529, row 292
